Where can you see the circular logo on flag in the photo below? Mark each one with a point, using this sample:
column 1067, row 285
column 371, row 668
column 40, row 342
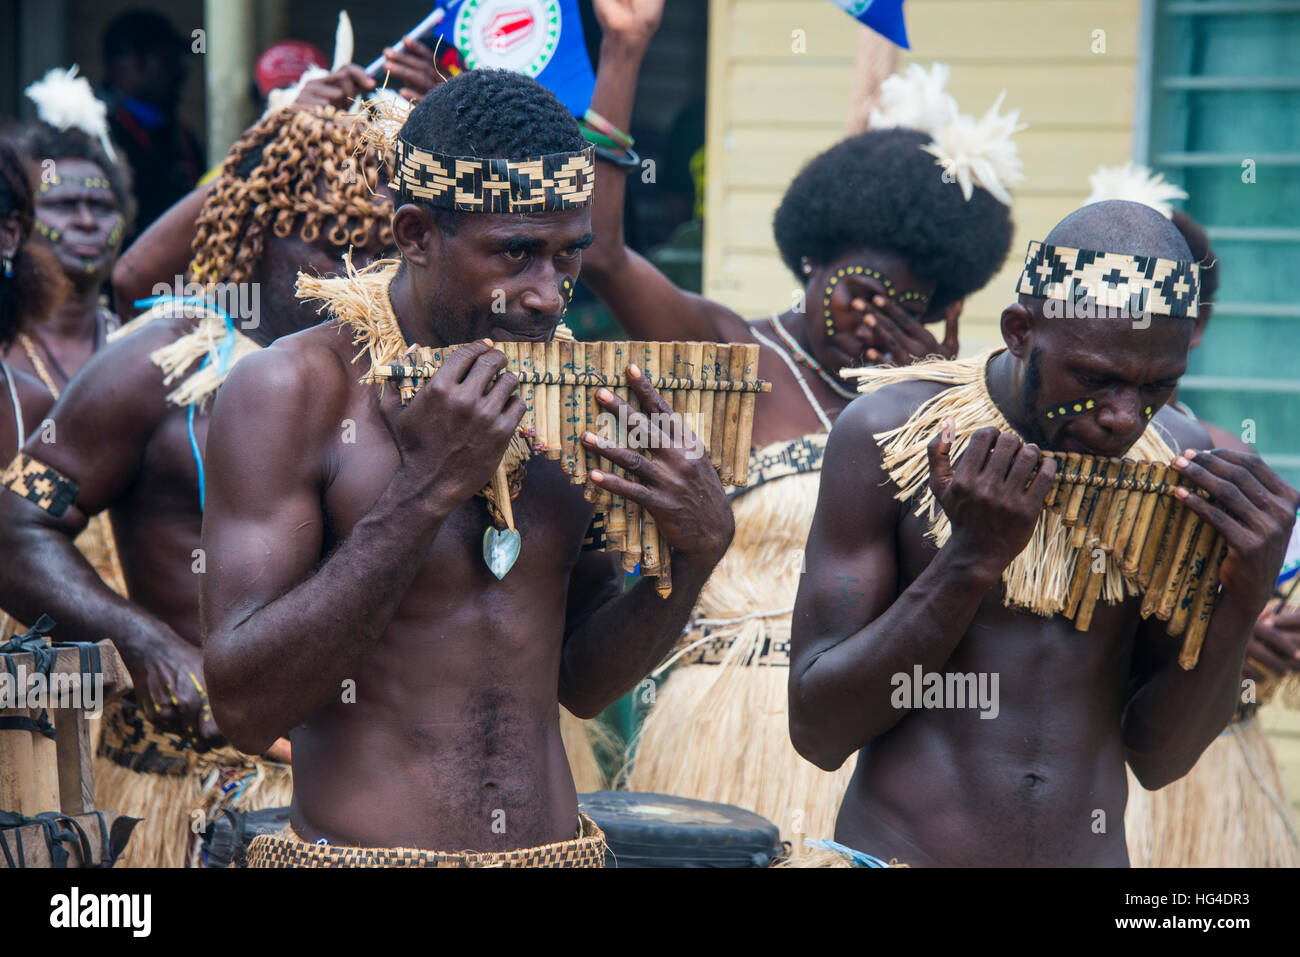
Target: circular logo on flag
column 518, row 35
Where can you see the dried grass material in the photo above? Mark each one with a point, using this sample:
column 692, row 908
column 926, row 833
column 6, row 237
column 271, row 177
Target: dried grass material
column 579, row 744
column 200, row 343
column 1230, row 810
column 819, row 857
column 720, row 732
column 167, row 802
column 1038, row 579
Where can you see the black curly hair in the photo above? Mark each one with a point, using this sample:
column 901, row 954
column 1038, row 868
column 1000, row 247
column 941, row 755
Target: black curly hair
column 37, row 282
column 879, row 189
column 41, row 141
column 491, row 113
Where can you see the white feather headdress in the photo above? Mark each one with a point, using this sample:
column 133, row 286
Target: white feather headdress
column 66, row 101
column 973, row 152
column 917, row 101
column 981, row 152
column 1135, row 183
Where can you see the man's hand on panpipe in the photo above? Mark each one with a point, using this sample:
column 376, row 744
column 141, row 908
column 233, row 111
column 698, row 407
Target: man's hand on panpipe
column 454, row 431
column 1252, row 508
column 1274, row 645
column 677, row 483
column 993, row 496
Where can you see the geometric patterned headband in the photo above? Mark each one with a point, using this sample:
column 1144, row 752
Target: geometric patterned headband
column 1140, row 284
column 470, row 184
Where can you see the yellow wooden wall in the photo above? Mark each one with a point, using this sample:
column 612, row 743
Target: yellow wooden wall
column 771, row 109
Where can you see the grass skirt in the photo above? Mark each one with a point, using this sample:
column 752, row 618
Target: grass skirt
column 1229, row 811
column 719, row 729
column 144, row 773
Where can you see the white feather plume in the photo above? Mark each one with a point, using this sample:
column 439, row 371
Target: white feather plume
column 981, row 152
column 66, row 101
column 343, row 42
column 917, row 100
column 1136, row 184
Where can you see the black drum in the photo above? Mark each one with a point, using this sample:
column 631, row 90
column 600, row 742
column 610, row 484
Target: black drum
column 660, row 830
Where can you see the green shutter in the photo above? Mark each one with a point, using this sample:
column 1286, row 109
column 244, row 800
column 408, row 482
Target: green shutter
column 1224, row 90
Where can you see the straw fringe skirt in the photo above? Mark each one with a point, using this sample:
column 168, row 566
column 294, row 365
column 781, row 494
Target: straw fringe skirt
column 580, row 741
column 719, row 728
column 1230, row 810
column 143, row 773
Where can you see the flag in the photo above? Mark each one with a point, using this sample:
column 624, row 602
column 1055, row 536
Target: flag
column 540, row 38
column 883, row 16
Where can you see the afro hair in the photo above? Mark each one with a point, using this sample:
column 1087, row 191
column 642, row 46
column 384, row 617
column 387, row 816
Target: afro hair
column 880, row 190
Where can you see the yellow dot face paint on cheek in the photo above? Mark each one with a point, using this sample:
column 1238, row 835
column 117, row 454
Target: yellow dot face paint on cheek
column 1067, row 409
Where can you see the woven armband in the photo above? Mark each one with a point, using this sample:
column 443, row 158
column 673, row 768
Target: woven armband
column 38, row 483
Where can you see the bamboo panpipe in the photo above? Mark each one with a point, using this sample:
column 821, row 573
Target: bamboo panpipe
column 1129, row 511
column 711, row 388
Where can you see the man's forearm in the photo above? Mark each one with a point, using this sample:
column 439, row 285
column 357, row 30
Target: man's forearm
column 280, row 664
column 841, row 699
column 622, row 641
column 43, row 573
column 1176, row 714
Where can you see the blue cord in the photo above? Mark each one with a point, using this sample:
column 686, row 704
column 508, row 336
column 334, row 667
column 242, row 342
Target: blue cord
column 224, row 349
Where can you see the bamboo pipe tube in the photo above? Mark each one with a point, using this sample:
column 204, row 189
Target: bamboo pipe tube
column 1166, row 559
column 695, row 398
column 735, row 369
column 527, row 393
column 1157, row 532
column 581, row 414
column 568, row 417
column 537, row 352
column 722, row 371
column 1118, row 506
column 601, row 420
column 649, row 529
column 501, row 491
column 749, row 367
column 1202, row 609
column 668, row 368
column 1132, row 509
column 1141, row 531
column 554, row 422
column 1196, row 569
column 632, row 511
column 1092, row 539
column 1182, row 560
column 1087, row 467
column 708, row 356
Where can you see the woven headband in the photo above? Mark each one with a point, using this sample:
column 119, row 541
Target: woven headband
column 470, row 184
column 1140, row 284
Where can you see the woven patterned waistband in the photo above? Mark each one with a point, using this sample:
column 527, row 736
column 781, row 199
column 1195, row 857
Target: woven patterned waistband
column 128, row 738
column 287, row 850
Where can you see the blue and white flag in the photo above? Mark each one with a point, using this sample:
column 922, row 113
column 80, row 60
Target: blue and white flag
column 883, row 16
column 540, row 38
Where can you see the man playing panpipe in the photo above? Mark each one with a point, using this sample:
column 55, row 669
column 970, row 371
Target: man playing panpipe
column 880, row 243
column 349, row 603
column 1230, row 810
column 130, row 431
column 952, row 455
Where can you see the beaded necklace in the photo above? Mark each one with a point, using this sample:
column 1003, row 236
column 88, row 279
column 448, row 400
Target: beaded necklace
column 804, row 359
